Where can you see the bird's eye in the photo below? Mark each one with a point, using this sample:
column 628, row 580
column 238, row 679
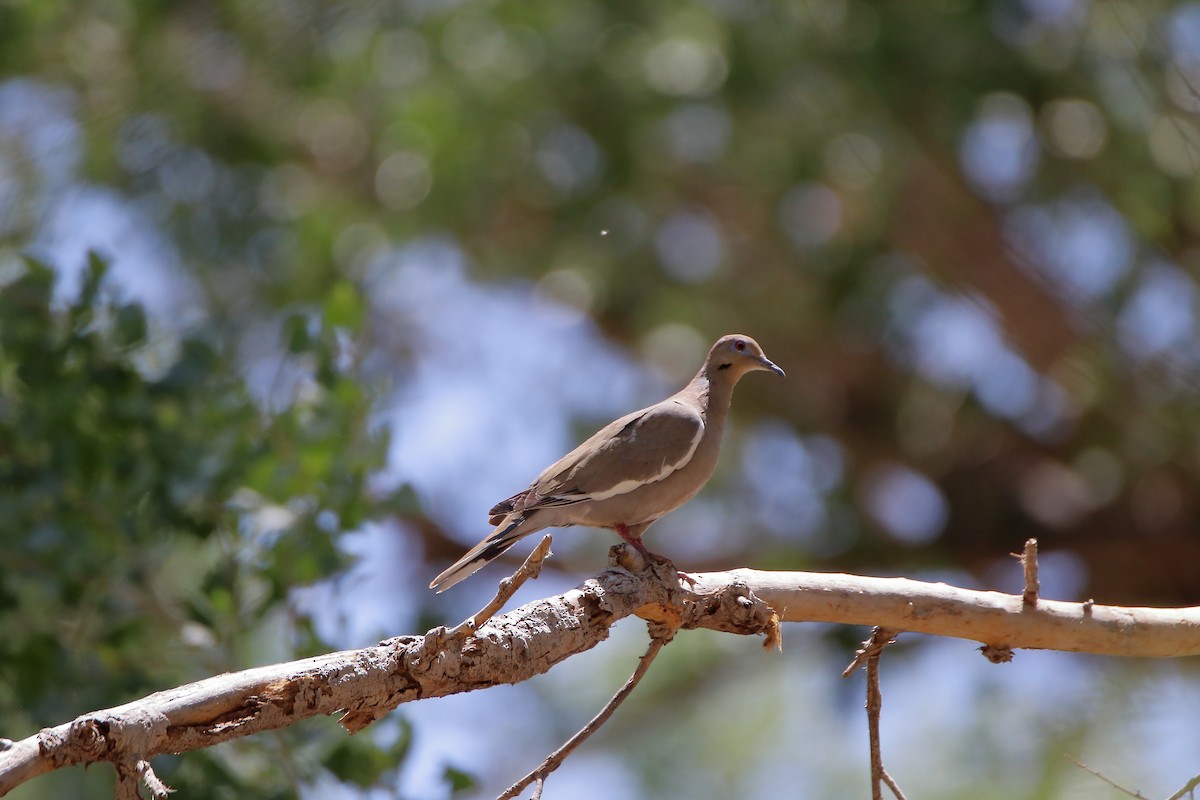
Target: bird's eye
column 740, row 346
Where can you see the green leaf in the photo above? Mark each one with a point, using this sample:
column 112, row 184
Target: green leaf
column 459, row 780
column 295, row 332
column 344, row 306
column 359, row 761
column 130, row 325
column 93, row 278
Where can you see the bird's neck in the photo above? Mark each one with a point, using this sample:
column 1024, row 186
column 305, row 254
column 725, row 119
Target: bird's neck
column 714, row 393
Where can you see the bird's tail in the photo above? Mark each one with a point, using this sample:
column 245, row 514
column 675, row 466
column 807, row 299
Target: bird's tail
column 497, row 542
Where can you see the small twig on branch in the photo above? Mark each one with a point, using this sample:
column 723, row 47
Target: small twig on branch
column 508, row 587
column 1187, row 789
column 891, row 783
column 128, row 775
column 880, row 638
column 997, row 653
column 1107, row 780
column 869, row 653
column 157, row 788
column 659, row 636
column 1029, row 563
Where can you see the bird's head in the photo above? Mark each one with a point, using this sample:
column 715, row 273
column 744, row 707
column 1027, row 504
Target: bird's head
column 736, row 355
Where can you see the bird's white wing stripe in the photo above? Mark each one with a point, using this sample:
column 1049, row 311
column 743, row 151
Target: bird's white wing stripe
column 631, row 484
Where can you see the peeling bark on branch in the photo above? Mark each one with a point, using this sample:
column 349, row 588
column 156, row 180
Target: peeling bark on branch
column 367, row 683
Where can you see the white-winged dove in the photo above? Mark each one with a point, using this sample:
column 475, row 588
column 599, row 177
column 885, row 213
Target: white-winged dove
column 632, row 471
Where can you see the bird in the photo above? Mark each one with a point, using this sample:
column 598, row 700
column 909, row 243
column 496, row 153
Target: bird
column 632, row 471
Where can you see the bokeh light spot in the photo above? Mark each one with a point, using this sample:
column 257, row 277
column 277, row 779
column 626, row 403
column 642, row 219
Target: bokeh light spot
column 905, row 503
column 810, row 215
column 690, row 245
column 403, row 180
column 685, row 67
column 1074, row 128
column 999, row 152
column 698, row 133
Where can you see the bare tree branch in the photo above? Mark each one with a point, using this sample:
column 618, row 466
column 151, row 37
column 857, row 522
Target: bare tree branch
column 367, row 683
column 991, row 618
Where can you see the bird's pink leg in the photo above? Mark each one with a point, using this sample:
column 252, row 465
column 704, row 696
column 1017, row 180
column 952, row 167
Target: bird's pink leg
column 636, row 542
column 653, row 558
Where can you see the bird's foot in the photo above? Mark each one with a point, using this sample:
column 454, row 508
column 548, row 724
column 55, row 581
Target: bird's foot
column 653, row 558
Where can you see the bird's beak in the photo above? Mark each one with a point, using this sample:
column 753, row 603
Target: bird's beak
column 771, row 366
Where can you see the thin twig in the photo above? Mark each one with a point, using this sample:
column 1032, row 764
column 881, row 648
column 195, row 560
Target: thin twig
column 869, row 654
column 1188, row 789
column 128, row 777
column 659, row 636
column 1029, row 563
column 158, row 789
column 860, row 656
column 879, row 639
column 891, row 783
column 508, row 587
column 1107, row 780
column 874, row 707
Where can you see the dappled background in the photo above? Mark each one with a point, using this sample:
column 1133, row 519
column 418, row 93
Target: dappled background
column 291, row 292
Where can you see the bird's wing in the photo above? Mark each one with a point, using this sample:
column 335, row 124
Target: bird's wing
column 637, row 449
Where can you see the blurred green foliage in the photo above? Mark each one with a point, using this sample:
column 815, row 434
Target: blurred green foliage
column 154, row 518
